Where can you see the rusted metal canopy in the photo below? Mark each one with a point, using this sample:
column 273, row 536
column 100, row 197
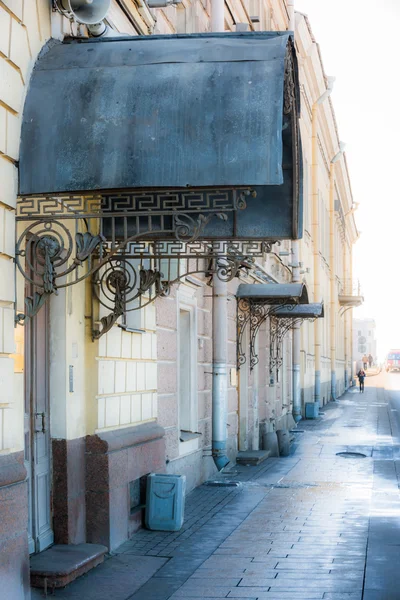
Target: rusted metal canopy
column 274, row 293
column 184, row 112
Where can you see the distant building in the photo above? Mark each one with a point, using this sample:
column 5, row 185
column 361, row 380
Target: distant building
column 364, row 338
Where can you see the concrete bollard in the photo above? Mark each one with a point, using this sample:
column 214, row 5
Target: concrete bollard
column 283, row 442
column 270, row 442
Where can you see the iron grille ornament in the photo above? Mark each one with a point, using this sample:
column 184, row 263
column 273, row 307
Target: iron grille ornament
column 252, row 314
column 133, row 246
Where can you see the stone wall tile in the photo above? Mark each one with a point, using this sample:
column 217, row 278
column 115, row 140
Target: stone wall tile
column 136, row 345
column 147, row 407
column 120, row 376
column 5, row 30
column 11, row 91
column 106, row 376
column 125, row 410
column 171, row 443
column 150, row 317
column 3, row 113
column 204, row 404
column 166, row 314
column 114, row 337
column 166, row 345
column 19, row 49
column 141, row 376
column 31, row 21
column 151, row 376
column 136, row 408
column 126, row 345
column 6, row 380
column 9, row 233
column 154, row 346
column 166, row 378
column 15, row 7
column 154, row 401
column 8, row 178
column 112, row 411
column 167, row 410
column 101, row 413
column 13, row 135
column 131, row 383
column 146, row 345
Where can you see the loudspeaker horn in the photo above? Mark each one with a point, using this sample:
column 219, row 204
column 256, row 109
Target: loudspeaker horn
column 87, row 12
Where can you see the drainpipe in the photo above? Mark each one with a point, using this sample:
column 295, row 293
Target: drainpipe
column 295, row 279
column 219, row 325
column 332, row 266
column 315, row 211
column 217, row 15
column 296, row 340
column 346, row 341
column 290, row 9
column 219, row 372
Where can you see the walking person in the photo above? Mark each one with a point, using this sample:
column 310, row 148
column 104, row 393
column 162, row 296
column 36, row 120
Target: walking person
column 370, row 360
column 361, row 378
column 365, row 361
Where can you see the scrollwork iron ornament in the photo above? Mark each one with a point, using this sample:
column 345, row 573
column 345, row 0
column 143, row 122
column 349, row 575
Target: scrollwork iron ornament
column 121, row 247
column 253, row 313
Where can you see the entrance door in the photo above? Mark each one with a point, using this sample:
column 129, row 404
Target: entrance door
column 37, row 434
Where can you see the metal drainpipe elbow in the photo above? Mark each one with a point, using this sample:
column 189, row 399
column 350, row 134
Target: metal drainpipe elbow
column 220, row 459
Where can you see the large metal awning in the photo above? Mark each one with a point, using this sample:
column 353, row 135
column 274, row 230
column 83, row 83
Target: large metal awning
column 186, row 122
column 139, row 152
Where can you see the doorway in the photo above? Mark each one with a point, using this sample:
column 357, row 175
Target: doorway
column 37, row 430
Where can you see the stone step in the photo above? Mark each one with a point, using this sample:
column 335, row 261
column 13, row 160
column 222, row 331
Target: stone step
column 63, row 563
column 252, row 457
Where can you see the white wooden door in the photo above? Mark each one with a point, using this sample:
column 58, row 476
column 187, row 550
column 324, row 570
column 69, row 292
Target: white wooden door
column 37, row 433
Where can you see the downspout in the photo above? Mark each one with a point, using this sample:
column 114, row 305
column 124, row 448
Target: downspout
column 346, row 341
column 332, row 267
column 295, row 279
column 315, row 227
column 219, row 325
column 217, row 15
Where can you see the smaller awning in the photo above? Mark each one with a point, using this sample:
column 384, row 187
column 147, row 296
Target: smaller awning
column 301, row 311
column 350, row 301
column 274, row 293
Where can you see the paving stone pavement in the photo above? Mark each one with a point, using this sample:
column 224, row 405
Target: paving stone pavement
column 310, row 526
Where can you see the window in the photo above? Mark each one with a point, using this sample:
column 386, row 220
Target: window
column 187, row 375
column 185, row 359
column 359, row 333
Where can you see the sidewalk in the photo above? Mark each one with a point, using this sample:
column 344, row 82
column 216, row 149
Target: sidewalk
column 311, row 526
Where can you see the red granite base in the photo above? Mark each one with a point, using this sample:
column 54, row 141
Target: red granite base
column 113, row 460
column 14, row 554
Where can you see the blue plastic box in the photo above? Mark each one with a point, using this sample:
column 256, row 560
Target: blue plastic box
column 312, row 410
column 165, row 502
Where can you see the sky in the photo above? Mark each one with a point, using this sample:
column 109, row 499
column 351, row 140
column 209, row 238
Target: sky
column 358, row 44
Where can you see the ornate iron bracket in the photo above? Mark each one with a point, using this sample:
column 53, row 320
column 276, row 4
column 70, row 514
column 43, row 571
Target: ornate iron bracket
column 133, row 246
column 252, row 314
column 279, row 327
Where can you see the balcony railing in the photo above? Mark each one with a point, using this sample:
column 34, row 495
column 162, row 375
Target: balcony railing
column 350, row 293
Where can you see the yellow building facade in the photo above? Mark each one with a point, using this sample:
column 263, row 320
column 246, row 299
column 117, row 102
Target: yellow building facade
column 108, row 412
